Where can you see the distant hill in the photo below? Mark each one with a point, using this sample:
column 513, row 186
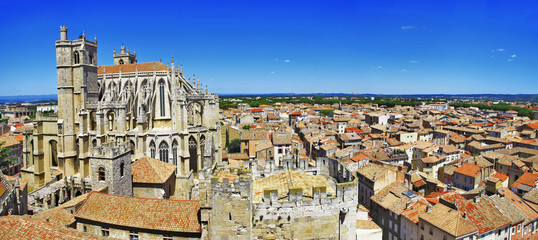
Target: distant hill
column 28, row 98
column 506, row 97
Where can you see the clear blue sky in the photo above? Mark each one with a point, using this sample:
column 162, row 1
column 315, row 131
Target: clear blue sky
column 384, row 47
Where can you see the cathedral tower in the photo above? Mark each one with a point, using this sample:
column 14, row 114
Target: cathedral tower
column 76, row 64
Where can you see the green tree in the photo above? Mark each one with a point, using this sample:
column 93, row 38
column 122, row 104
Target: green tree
column 5, row 159
column 235, row 146
column 326, row 113
column 246, row 127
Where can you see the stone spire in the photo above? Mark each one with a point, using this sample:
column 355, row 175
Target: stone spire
column 206, row 92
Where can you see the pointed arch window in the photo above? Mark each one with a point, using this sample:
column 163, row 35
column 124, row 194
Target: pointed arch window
column 121, row 61
column 152, row 149
column 193, row 152
column 163, row 151
column 174, row 153
column 76, row 57
column 161, row 98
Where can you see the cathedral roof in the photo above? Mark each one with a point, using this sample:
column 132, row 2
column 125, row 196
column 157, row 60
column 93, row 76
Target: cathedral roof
column 149, row 170
column 133, row 67
column 142, row 213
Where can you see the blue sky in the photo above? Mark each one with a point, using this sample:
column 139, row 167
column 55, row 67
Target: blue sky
column 383, row 47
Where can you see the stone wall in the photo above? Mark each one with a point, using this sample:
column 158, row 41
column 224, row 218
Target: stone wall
column 320, row 217
column 235, row 216
column 231, row 212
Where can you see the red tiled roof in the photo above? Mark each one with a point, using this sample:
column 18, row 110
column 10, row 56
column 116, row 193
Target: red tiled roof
column 143, row 213
column 297, row 113
column 359, row 157
column 500, row 176
column 419, row 183
column 533, row 125
column 149, row 170
column 468, row 169
column 413, row 212
column 528, row 179
column 28, row 228
column 125, row 68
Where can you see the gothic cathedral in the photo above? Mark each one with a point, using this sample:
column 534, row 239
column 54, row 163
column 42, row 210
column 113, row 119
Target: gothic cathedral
column 149, row 108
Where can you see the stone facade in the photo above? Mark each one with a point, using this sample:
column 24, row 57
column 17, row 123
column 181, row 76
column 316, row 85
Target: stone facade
column 231, row 212
column 323, row 216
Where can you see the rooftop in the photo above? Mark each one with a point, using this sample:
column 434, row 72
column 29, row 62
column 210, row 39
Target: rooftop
column 143, row 213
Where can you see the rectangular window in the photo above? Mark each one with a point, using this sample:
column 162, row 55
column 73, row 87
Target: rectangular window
column 456, row 176
column 168, row 237
column 465, row 179
column 105, row 232
column 133, row 235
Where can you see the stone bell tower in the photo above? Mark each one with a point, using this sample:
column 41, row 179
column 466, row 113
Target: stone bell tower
column 111, row 168
column 76, row 66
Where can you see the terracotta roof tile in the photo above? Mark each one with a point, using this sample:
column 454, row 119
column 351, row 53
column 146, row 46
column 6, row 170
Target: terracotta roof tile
column 125, row 68
column 144, row 213
column 468, row 169
column 149, row 170
column 448, row 220
column 27, row 228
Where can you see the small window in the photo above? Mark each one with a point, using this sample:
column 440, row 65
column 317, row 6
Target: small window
column 101, row 174
column 122, row 166
column 133, row 235
column 168, row 237
column 105, row 232
column 85, row 229
column 77, row 57
column 431, row 231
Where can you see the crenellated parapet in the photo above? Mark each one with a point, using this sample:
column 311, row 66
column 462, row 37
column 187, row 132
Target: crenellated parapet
column 110, row 150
